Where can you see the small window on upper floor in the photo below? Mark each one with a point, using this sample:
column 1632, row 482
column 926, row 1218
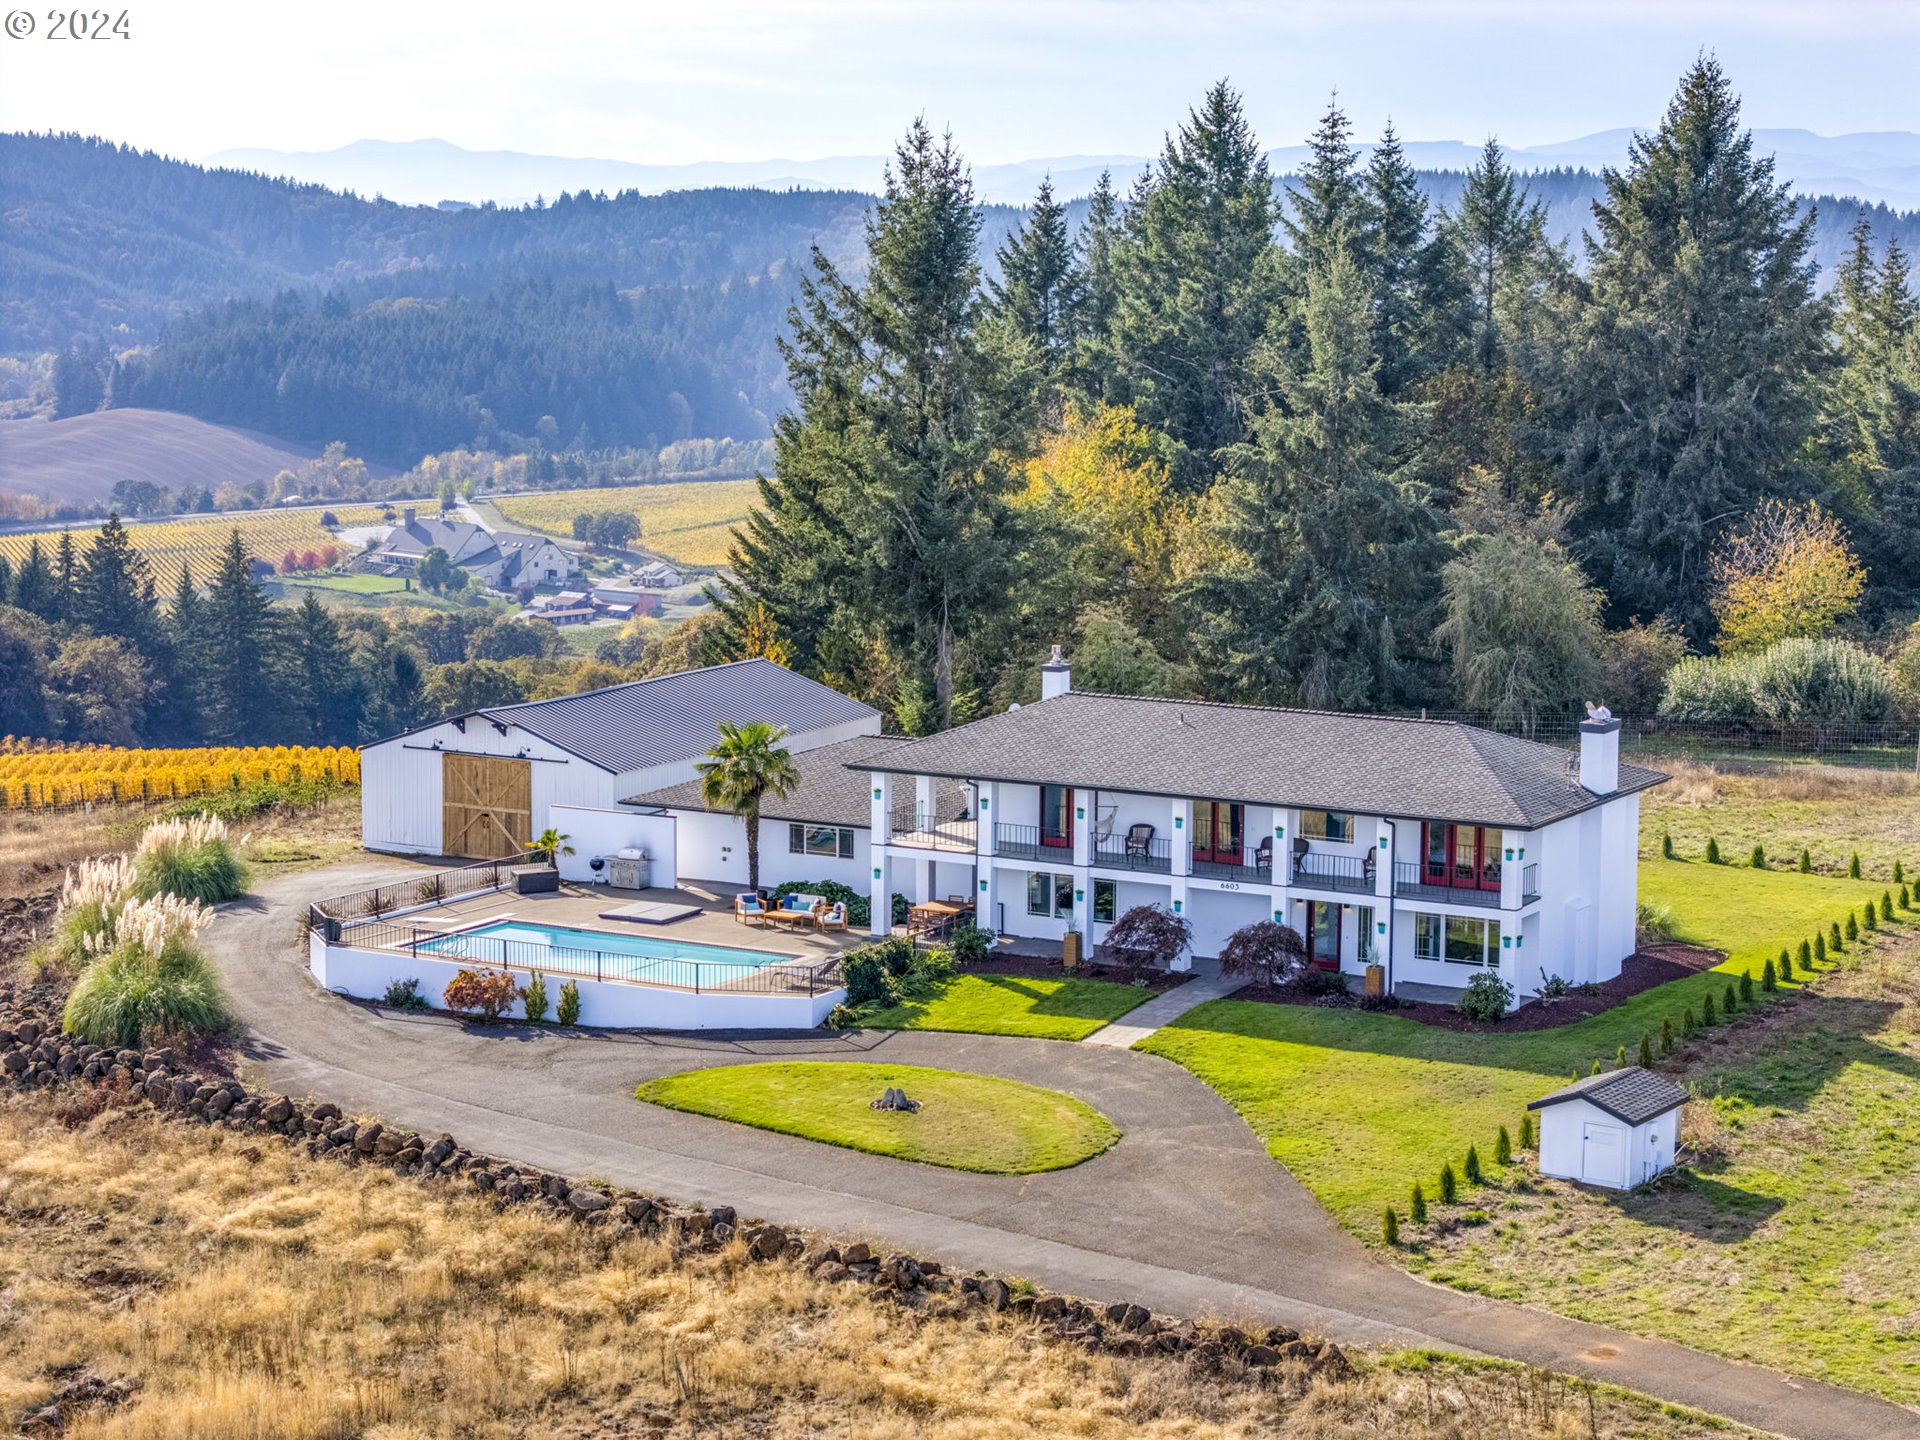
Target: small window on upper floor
column 1335, row 825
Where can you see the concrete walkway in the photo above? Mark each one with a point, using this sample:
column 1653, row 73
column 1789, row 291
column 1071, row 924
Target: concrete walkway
column 1186, row 1214
column 1141, row 1021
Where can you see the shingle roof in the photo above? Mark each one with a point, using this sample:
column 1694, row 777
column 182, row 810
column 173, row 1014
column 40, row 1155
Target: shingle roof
column 1372, row 764
column 828, row 794
column 673, row 717
column 1632, row 1096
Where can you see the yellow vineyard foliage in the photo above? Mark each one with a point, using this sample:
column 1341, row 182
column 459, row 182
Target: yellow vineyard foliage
column 34, row 773
column 199, row 539
column 689, row 522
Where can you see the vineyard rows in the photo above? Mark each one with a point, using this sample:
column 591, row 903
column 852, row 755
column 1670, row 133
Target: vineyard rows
column 267, row 534
column 690, row 522
column 36, row 777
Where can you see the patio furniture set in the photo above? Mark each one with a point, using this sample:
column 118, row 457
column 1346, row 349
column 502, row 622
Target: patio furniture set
column 798, row 912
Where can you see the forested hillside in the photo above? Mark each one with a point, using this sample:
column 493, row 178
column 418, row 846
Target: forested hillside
column 629, row 320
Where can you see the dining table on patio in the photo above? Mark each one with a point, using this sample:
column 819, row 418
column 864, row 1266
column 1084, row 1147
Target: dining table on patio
column 936, row 917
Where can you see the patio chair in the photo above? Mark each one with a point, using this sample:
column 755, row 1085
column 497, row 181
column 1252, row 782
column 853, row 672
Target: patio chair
column 747, row 909
column 835, row 917
column 959, row 900
column 1263, row 854
column 1139, row 840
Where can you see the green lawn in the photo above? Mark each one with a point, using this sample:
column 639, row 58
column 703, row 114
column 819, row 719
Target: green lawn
column 1791, row 1240
column 1358, row 1106
column 1833, row 815
column 347, row 584
column 966, row 1122
column 1041, row 1007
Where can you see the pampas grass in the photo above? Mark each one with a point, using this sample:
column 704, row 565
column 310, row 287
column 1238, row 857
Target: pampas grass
column 89, row 902
column 191, row 858
column 146, row 981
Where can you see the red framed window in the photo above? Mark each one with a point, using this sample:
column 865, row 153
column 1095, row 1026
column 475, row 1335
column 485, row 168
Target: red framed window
column 1218, row 832
column 1460, row 857
column 1056, row 816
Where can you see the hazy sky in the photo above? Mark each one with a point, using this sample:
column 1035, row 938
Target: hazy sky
column 746, row 79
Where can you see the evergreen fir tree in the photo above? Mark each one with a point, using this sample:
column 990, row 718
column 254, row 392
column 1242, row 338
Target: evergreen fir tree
column 1499, row 234
column 240, row 705
column 1091, row 365
column 1389, row 1226
column 1195, row 278
column 66, row 575
column 1645, row 1057
column 1503, row 1147
column 1666, row 1035
column 882, row 550
column 1416, row 281
column 1327, row 210
column 1806, row 861
column 1417, row 1208
column 35, row 588
column 112, row 592
column 1686, row 388
column 320, row 677
column 1770, row 977
column 1036, row 297
column 1526, row 1129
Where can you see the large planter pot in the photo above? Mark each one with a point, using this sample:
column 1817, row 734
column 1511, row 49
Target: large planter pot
column 1070, row 950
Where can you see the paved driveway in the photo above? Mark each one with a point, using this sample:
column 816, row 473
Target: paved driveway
column 1186, row 1214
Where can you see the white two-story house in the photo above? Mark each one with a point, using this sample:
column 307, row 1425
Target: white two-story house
column 1431, row 848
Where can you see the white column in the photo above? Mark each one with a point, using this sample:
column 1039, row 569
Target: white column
column 986, row 889
column 1085, row 816
column 1383, row 859
column 925, row 816
column 1282, row 841
column 1181, row 907
column 1180, row 833
column 1513, row 849
column 880, row 896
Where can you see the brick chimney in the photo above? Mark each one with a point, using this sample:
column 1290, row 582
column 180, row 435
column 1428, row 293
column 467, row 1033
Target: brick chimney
column 1056, row 676
column 1600, row 751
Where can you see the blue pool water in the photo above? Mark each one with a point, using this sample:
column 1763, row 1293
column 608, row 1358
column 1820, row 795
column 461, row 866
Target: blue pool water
column 612, row 954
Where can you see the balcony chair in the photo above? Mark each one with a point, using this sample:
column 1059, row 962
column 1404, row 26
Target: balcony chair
column 1139, row 841
column 1263, row 854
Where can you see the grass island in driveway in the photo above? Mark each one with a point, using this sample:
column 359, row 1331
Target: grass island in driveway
column 965, row 1122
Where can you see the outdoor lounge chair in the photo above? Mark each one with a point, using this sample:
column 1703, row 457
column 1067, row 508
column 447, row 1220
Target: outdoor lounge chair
column 747, row 909
column 835, row 917
column 1139, row 840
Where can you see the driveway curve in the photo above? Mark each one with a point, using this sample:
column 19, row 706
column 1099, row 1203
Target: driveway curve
column 1187, row 1213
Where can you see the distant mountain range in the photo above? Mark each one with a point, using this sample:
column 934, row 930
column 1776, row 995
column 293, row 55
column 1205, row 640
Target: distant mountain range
column 1879, row 167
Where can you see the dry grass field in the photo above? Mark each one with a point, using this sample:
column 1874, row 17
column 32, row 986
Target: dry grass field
column 199, row 539
column 1832, row 813
column 690, row 523
column 193, row 1284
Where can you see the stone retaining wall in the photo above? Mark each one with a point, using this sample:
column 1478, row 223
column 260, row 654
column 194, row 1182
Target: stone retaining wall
column 34, row 1054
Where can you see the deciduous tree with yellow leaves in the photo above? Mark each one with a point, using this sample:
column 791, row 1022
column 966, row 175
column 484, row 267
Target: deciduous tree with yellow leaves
column 1787, row 573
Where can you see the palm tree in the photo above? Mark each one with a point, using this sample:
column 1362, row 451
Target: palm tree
column 747, row 765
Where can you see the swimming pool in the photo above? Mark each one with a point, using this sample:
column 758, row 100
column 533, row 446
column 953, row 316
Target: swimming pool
column 603, row 954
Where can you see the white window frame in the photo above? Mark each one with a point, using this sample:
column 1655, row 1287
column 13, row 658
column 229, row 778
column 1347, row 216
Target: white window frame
column 1053, row 886
column 1112, row 889
column 800, row 835
column 1427, row 925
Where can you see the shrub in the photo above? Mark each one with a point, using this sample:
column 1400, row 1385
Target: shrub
column 405, row 995
column 1666, row 1035
column 1886, row 906
column 1869, row 917
column 1389, row 1226
column 842, row 1017
column 1417, row 1209
column 1713, row 851
column 1526, row 1129
column 151, row 982
column 1899, row 872
column 1486, row 999
column 1266, row 952
column 1728, row 1004
column 1834, row 943
column 1746, row 987
column 1655, row 922
column 90, row 899
column 1645, row 1058
column 1759, row 860
column 484, row 994
column 1688, row 1025
column 1145, row 936
column 867, row 978
column 1472, row 1166
column 900, row 908
column 533, row 997
column 1853, row 866
column 1449, row 1185
column 1503, row 1147
column 1806, row 862
column 1853, row 927
column 1769, row 977
column 1596, row 1068
column 1312, row 980
column 569, row 1010
column 1707, row 1015
column 1800, row 680
column 1809, row 953
column 971, row 944
column 190, row 858
column 1620, row 1056
column 1666, row 846
column 1906, row 898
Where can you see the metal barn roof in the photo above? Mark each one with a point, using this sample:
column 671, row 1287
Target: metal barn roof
column 671, row 718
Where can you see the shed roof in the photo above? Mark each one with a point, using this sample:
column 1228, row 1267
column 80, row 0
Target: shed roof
column 828, row 794
column 1313, row 759
column 672, row 718
column 1632, row 1096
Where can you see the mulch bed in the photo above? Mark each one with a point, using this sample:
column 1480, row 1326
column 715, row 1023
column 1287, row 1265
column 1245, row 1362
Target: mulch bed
column 1039, row 967
column 1654, row 965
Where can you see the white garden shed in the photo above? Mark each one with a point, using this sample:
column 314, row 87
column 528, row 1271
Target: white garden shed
column 1616, row 1129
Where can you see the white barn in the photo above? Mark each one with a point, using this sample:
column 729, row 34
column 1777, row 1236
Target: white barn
column 1617, row 1129
column 479, row 786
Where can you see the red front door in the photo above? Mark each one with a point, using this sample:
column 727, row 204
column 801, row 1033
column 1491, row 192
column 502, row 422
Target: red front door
column 1460, row 857
column 1217, row 833
column 1056, row 816
column 1323, row 934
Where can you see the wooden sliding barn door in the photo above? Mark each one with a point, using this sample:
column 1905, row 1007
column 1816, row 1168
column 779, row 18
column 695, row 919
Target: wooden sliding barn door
column 486, row 806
